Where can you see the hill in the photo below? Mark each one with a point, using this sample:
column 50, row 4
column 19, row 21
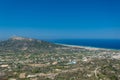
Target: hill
column 21, row 44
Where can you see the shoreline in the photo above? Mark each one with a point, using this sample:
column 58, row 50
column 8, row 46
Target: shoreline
column 86, row 47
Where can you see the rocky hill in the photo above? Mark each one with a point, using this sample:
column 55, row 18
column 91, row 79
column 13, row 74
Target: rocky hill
column 21, row 44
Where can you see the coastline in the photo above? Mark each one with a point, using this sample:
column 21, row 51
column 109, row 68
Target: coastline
column 86, row 47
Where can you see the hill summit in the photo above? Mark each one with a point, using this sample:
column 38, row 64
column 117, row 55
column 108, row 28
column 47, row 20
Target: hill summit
column 22, row 44
column 20, row 38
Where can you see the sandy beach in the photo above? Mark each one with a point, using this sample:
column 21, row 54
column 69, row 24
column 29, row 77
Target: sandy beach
column 85, row 47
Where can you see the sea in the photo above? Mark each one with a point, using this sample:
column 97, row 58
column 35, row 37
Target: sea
column 98, row 43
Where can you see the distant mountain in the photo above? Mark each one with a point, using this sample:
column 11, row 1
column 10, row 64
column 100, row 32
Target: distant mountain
column 21, row 44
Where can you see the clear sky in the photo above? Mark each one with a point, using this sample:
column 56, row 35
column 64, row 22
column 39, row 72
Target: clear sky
column 60, row 18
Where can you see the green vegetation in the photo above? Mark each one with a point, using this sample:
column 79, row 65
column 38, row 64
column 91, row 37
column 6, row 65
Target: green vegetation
column 30, row 59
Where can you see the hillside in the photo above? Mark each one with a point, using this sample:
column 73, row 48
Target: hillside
column 20, row 44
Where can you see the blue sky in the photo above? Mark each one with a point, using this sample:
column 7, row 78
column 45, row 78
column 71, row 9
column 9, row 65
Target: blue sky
column 53, row 19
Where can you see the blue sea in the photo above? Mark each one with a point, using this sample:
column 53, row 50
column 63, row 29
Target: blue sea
column 98, row 43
